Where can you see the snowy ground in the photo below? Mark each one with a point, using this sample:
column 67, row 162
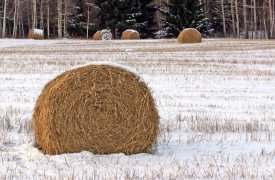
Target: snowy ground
column 216, row 101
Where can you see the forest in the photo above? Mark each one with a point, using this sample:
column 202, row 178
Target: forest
column 248, row 19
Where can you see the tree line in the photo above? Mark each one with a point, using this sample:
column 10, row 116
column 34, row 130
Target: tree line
column 152, row 18
column 242, row 18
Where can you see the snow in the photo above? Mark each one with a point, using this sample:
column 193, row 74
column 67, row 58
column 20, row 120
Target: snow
column 131, row 30
column 24, row 42
column 38, row 31
column 106, row 34
column 215, row 99
column 113, row 64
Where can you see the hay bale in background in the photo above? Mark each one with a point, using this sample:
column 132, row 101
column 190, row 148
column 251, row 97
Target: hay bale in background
column 103, row 35
column 190, row 35
column 99, row 108
column 36, row 34
column 130, row 34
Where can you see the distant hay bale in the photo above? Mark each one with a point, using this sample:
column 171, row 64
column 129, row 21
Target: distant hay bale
column 99, row 108
column 103, row 35
column 130, row 34
column 190, row 35
column 36, row 34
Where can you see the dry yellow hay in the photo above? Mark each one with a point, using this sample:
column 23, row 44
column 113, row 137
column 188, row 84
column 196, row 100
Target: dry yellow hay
column 190, row 35
column 36, row 34
column 103, row 35
column 99, row 108
column 130, row 34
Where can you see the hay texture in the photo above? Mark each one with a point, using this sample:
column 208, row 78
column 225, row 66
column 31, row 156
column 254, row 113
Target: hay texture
column 130, row 34
column 36, row 34
column 190, row 35
column 99, row 108
column 103, row 35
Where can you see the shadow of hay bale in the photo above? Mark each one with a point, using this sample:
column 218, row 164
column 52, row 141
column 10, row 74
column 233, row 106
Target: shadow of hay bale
column 98, row 108
column 190, row 35
column 36, row 34
column 130, row 34
column 103, row 35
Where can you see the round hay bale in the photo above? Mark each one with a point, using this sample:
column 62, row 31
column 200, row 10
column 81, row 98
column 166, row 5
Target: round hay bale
column 36, row 34
column 190, row 35
column 130, row 34
column 99, row 108
column 103, row 35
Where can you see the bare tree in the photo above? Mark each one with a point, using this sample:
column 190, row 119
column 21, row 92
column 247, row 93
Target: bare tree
column 271, row 22
column 65, row 17
column 255, row 18
column 4, row 20
column 21, row 21
column 245, row 19
column 28, row 14
column 1, row 26
column 15, row 18
column 41, row 14
column 264, row 19
column 223, row 18
column 233, row 17
column 237, row 18
column 59, row 18
column 88, row 22
column 34, row 20
column 48, row 19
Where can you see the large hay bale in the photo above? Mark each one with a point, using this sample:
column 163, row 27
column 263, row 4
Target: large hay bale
column 103, row 35
column 99, row 108
column 190, row 35
column 36, row 34
column 130, row 34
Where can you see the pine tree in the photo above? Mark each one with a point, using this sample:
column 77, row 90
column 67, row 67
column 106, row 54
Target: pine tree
column 118, row 15
column 112, row 14
column 147, row 9
column 184, row 14
column 77, row 22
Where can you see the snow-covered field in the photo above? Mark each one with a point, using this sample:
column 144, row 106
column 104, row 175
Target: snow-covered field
column 216, row 101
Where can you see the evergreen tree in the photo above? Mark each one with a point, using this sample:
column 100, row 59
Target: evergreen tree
column 118, row 15
column 77, row 20
column 147, row 9
column 112, row 14
column 184, row 14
